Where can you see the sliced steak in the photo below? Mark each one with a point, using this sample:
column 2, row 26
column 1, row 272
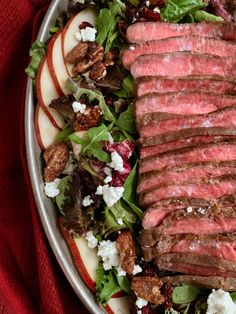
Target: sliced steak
column 186, row 172
column 222, row 151
column 200, row 265
column 182, row 143
column 182, row 103
column 186, row 134
column 161, row 85
column 208, row 188
column 225, row 117
column 180, row 64
column 210, row 282
column 203, row 220
column 146, row 31
column 199, row 44
column 215, row 245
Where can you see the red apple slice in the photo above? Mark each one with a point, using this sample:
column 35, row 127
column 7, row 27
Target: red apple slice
column 68, row 33
column 118, row 305
column 45, row 131
column 46, row 92
column 56, row 64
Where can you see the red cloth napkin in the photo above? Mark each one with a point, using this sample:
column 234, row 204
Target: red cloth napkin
column 31, row 281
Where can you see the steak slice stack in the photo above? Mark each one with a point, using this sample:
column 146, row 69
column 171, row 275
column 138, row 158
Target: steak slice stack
column 185, row 111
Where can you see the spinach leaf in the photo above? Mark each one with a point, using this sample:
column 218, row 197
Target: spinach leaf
column 127, row 89
column 37, row 52
column 185, row 294
column 233, row 296
column 63, row 135
column 126, row 120
column 62, row 198
column 106, row 285
column 200, row 15
column 175, row 10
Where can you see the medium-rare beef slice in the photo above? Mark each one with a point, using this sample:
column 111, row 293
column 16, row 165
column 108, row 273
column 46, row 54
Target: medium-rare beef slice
column 222, row 246
column 184, row 103
column 199, row 44
column 203, row 220
column 148, row 85
column 185, row 134
column 146, row 31
column 187, row 172
column 211, row 187
column 195, row 264
column 182, row 143
column 181, row 64
column 221, row 151
column 210, row 282
column 225, row 117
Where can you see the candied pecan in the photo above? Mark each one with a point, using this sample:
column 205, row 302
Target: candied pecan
column 78, row 53
column 90, row 118
column 56, row 157
column 108, row 59
column 84, row 65
column 97, row 72
column 148, row 288
column 126, row 247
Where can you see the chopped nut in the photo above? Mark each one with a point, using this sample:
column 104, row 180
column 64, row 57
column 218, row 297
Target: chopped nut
column 94, row 55
column 90, row 118
column 97, row 71
column 108, row 59
column 56, row 157
column 78, row 53
column 148, row 288
column 126, row 247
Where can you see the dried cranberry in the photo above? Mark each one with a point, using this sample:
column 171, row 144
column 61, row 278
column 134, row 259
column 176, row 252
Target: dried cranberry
column 148, row 310
column 167, row 293
column 157, row 3
column 149, row 15
column 85, row 24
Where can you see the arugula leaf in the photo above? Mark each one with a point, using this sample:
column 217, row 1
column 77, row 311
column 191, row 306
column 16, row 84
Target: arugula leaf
column 36, row 52
column 104, row 23
column 98, row 152
column 127, row 89
column 130, row 185
column 106, row 285
column 78, row 140
column 124, row 283
column 175, row 10
column 126, row 120
column 62, row 198
column 185, row 294
column 63, row 135
column 200, row 15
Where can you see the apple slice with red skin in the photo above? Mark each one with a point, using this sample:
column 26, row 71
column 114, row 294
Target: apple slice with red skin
column 118, row 305
column 56, row 64
column 68, row 33
column 45, row 131
column 46, row 92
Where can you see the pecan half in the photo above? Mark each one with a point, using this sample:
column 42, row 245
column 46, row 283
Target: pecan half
column 148, row 288
column 94, row 55
column 56, row 157
column 78, row 53
column 97, row 71
column 126, row 247
column 90, row 118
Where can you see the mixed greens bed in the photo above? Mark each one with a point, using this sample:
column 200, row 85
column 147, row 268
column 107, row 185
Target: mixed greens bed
column 93, row 181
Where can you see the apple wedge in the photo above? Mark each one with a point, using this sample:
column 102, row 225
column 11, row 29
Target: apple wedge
column 68, row 33
column 45, row 131
column 119, row 305
column 46, row 92
column 56, row 64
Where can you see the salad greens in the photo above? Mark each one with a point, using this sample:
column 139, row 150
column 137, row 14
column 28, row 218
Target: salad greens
column 127, row 89
column 201, row 16
column 185, row 294
column 36, row 52
column 63, row 197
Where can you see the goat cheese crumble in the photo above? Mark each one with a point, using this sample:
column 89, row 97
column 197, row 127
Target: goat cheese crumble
column 116, row 162
column 220, row 302
column 157, row 10
column 109, row 254
column 92, row 241
column 111, row 194
column 120, row 271
column 51, row 188
column 86, row 34
column 107, row 171
column 108, row 179
column 137, row 269
column 120, row 221
column 78, row 107
column 87, row 201
column 141, row 302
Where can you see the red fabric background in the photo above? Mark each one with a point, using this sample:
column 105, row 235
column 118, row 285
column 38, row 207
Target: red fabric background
column 30, row 278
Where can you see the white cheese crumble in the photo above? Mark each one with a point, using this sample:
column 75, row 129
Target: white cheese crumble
column 116, row 162
column 111, row 194
column 189, row 209
column 110, row 138
column 220, row 302
column 131, row 48
column 120, row 221
column 107, row 171
column 108, row 179
column 92, row 241
column 139, row 312
column 201, row 211
column 147, row 4
column 51, row 188
column 86, row 34
column 156, row 10
column 109, row 254
column 87, row 201
column 80, row 1
column 78, row 107
column 120, row 271
column 137, row 269
column 141, row 302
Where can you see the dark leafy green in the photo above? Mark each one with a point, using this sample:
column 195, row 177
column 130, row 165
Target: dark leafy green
column 126, row 120
column 200, row 16
column 124, row 283
column 37, row 52
column 62, row 198
column 127, row 89
column 233, row 296
column 185, row 294
column 63, row 135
